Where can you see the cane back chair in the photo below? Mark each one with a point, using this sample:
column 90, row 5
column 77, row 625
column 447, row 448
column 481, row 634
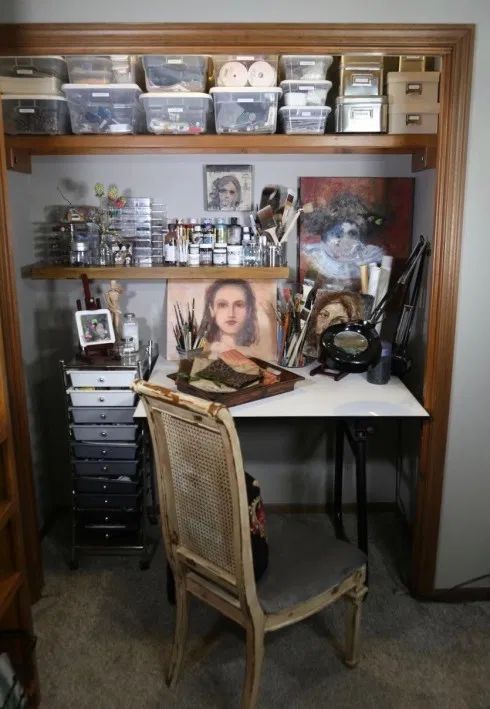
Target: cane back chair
column 206, row 529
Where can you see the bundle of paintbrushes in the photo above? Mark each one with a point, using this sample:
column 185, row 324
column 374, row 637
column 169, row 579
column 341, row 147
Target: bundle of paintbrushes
column 292, row 320
column 189, row 335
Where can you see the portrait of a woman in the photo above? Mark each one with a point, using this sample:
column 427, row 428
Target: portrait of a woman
column 228, row 188
column 231, row 309
column 330, row 309
column 226, row 193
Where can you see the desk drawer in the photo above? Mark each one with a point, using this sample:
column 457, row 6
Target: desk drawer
column 110, row 517
column 89, row 414
column 89, row 501
column 106, row 468
column 117, row 379
column 114, row 451
column 110, row 485
column 102, row 397
column 116, row 432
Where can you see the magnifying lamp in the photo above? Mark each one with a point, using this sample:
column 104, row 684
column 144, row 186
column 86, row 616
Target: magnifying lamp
column 354, row 346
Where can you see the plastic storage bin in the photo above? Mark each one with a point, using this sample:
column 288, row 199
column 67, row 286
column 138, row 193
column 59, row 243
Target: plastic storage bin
column 37, row 114
column 234, row 70
column 407, row 118
column 113, row 108
column 305, row 93
column 33, row 67
column 245, row 110
column 172, row 112
column 103, row 69
column 170, row 72
column 413, row 87
column 314, row 67
column 294, row 120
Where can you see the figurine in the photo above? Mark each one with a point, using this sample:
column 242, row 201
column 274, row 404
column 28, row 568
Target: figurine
column 112, row 299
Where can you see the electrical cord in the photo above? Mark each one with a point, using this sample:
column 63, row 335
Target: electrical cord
column 446, row 591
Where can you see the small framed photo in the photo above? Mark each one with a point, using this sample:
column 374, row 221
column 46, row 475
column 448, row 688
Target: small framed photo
column 228, row 188
column 94, row 327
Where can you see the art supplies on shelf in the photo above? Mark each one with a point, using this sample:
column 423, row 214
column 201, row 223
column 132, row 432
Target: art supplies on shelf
column 189, row 335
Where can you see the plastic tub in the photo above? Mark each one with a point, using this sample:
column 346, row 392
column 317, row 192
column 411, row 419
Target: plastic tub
column 36, row 114
column 235, row 70
column 305, row 66
column 34, row 67
column 172, row 72
column 305, row 93
column 113, row 108
column 245, row 110
column 30, row 85
column 171, row 112
column 295, row 120
column 89, row 69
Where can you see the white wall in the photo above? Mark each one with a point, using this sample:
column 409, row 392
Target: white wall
column 465, row 523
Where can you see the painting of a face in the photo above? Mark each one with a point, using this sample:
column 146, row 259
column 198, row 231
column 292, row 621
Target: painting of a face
column 229, row 309
column 228, row 195
column 331, row 314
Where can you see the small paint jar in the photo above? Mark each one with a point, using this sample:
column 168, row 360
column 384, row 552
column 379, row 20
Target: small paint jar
column 219, row 256
column 193, row 255
column 235, row 255
column 205, row 254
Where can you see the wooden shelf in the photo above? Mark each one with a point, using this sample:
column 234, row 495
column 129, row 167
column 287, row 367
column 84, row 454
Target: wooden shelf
column 9, row 585
column 155, row 273
column 21, row 148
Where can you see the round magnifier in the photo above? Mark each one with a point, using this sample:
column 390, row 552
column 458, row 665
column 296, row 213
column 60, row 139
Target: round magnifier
column 350, row 347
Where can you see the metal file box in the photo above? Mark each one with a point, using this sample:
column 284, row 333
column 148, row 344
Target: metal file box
column 354, row 114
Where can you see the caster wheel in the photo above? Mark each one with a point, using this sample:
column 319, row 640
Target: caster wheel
column 144, row 565
column 73, row 564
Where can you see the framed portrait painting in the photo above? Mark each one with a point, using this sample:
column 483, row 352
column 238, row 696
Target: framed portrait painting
column 94, row 327
column 239, row 315
column 353, row 221
column 228, row 188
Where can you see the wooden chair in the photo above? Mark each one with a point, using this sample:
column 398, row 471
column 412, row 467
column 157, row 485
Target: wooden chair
column 206, row 529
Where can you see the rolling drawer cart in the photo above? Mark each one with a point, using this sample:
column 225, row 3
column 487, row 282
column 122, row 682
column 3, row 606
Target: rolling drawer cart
column 110, row 456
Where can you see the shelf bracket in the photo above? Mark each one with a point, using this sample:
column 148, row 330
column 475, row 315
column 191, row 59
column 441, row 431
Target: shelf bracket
column 424, row 159
column 19, row 160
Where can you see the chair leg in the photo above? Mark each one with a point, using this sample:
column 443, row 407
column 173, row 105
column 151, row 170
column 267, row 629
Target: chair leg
column 180, row 633
column 255, row 656
column 354, row 599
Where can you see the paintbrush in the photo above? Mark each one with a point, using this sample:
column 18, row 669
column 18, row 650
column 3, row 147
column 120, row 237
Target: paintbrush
column 287, row 207
column 265, row 217
column 305, row 209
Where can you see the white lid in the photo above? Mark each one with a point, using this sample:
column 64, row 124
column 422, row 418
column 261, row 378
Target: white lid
column 245, row 90
column 327, row 57
column 403, row 76
column 305, row 111
column 35, row 56
column 29, row 97
column 103, row 87
column 173, row 95
column 290, row 84
column 413, row 108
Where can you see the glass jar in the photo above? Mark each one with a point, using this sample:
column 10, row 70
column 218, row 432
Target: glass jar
column 80, row 253
column 130, row 333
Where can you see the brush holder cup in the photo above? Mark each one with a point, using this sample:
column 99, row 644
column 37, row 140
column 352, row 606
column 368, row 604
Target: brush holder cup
column 276, row 255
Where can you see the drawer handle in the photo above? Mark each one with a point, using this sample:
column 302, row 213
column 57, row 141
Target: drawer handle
column 107, row 536
column 106, row 519
column 105, row 468
column 413, row 89
column 104, row 487
column 106, row 502
column 101, row 398
column 413, row 119
column 103, row 451
column 103, row 416
column 103, row 434
column 101, row 379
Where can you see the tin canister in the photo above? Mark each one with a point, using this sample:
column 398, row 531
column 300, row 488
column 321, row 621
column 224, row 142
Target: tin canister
column 357, row 114
column 235, row 254
column 219, row 255
column 193, row 256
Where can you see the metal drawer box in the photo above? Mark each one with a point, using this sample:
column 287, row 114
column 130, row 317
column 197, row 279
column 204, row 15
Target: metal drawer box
column 116, row 432
column 109, row 485
column 123, row 451
column 361, row 75
column 86, row 501
column 115, row 378
column 106, row 467
column 103, row 397
column 116, row 414
column 355, row 114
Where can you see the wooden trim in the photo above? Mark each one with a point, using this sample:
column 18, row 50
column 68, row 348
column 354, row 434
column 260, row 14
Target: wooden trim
column 446, row 246
column 459, row 595
column 17, row 391
column 9, row 586
column 159, row 273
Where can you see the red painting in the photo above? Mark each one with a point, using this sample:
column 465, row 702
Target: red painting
column 350, row 221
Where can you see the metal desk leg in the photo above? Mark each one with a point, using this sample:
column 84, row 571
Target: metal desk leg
column 357, row 437
column 338, row 481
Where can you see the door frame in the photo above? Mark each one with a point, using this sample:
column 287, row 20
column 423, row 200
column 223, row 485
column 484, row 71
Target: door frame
column 454, row 44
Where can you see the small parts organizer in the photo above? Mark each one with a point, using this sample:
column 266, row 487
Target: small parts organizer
column 110, row 455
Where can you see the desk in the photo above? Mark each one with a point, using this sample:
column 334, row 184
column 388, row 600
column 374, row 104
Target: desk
column 352, row 401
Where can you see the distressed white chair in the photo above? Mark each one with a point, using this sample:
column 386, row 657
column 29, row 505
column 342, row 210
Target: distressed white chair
column 206, row 529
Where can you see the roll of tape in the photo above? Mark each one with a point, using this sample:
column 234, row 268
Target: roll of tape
column 233, row 74
column 261, row 74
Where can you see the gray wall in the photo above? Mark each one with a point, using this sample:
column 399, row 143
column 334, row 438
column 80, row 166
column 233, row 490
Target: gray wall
column 465, row 523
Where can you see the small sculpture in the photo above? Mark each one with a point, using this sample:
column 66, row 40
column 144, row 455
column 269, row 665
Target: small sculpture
column 112, row 299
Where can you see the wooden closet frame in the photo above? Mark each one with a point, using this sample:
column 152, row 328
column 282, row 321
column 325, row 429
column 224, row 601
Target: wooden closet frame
column 454, row 44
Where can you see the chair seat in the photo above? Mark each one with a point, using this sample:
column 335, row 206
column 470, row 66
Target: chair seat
column 305, row 559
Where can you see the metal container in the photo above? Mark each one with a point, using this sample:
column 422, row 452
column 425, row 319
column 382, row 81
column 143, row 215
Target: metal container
column 354, row 114
column 411, row 62
column 361, row 75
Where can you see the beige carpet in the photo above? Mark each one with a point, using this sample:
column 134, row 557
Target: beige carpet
column 104, row 633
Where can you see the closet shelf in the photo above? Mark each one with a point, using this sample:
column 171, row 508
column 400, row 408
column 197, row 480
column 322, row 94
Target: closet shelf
column 20, row 148
column 41, row 271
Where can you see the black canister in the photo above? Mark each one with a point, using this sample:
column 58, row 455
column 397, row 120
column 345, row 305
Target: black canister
column 380, row 373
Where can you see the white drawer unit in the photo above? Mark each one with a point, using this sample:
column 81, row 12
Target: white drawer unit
column 102, row 378
column 101, row 397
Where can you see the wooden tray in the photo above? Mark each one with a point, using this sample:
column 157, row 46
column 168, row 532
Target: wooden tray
column 286, row 382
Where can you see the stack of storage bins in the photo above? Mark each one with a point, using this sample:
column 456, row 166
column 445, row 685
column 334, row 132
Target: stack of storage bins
column 31, row 95
column 413, row 97
column 103, row 94
column 361, row 106
column 176, row 102
column 305, row 89
column 246, row 94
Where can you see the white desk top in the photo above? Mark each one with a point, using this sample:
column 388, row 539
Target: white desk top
column 321, row 396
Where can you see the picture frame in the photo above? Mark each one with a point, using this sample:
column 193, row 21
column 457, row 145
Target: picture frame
column 95, row 327
column 228, row 188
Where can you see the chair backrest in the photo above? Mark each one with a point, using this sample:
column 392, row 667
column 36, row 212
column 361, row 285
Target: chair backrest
column 202, row 491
